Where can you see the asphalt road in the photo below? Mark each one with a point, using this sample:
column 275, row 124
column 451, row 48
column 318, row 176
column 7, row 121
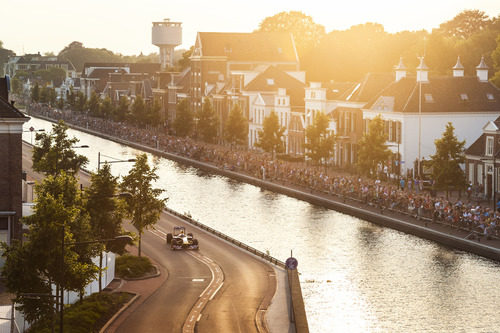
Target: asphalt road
column 248, row 282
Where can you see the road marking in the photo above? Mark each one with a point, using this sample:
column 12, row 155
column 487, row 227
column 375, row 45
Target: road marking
column 208, row 294
column 198, row 280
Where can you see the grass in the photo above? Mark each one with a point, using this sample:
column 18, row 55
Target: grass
column 87, row 315
column 128, row 266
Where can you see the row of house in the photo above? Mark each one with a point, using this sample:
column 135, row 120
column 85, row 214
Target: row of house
column 261, row 72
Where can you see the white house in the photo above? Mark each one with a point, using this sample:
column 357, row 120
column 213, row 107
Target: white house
column 417, row 109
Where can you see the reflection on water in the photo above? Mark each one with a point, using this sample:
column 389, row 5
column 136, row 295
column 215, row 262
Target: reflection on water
column 356, row 276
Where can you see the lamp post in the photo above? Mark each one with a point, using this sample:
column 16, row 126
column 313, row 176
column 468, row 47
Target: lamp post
column 115, row 160
column 61, row 310
column 31, row 130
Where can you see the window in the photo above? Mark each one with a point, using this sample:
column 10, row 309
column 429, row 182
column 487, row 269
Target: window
column 428, row 98
column 270, row 82
column 464, row 97
column 490, row 97
column 479, row 174
column 489, row 145
column 313, row 94
column 471, row 172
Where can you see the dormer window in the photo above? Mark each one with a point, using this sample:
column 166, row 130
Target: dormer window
column 429, row 98
column 464, row 97
column 490, row 97
column 270, row 82
column 489, row 146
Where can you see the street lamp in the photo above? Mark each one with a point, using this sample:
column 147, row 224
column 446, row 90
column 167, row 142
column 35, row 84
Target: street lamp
column 115, row 160
column 126, row 238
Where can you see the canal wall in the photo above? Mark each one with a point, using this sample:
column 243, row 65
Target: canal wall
column 337, row 204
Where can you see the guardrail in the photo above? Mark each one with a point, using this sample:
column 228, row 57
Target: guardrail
column 236, row 242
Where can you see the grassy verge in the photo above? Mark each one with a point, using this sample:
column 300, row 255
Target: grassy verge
column 88, row 315
column 128, row 266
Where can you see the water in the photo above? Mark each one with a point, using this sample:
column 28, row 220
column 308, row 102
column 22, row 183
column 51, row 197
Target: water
column 355, row 276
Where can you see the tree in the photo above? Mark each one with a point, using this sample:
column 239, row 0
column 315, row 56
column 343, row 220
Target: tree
column 271, row 137
column 58, row 218
column 320, row 142
column 139, row 114
column 121, row 112
column 446, row 169
column 17, row 85
column 80, row 101
column 207, row 122
column 495, row 55
column 107, row 108
column 185, row 62
column 236, row 128
column 105, row 210
column 306, row 33
column 54, row 152
column 372, row 148
column 35, row 93
column 465, row 24
column 144, row 206
column 153, row 113
column 94, row 104
column 184, row 119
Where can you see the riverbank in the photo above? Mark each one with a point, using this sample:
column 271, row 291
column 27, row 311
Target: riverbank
column 424, row 228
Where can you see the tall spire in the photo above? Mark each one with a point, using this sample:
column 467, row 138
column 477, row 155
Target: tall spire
column 458, row 69
column 400, row 70
column 482, row 71
column 422, row 71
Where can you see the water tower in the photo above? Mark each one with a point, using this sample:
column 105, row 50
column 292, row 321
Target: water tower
column 167, row 35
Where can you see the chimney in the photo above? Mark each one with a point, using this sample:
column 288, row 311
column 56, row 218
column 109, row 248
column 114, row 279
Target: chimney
column 4, row 88
column 400, row 70
column 458, row 69
column 482, row 71
column 422, row 71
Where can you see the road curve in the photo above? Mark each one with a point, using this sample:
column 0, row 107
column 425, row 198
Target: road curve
column 237, row 305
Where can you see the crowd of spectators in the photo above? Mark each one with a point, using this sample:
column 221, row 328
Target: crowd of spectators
column 406, row 197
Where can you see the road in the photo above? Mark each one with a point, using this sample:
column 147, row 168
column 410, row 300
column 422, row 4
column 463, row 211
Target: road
column 248, row 284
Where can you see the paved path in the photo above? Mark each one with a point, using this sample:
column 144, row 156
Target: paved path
column 165, row 303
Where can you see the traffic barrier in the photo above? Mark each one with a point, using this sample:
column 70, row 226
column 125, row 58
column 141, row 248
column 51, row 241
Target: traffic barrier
column 219, row 234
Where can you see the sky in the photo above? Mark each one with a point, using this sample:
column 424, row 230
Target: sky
column 124, row 26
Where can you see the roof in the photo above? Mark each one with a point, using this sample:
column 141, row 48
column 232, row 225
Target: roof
column 441, row 94
column 478, row 148
column 257, row 46
column 7, row 110
column 272, row 79
column 371, row 85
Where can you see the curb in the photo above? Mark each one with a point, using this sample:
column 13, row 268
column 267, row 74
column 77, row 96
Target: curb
column 158, row 273
column 116, row 315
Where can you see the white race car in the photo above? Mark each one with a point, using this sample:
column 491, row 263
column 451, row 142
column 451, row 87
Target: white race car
column 179, row 239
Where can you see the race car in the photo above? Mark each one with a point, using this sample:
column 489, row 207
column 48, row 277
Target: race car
column 179, row 239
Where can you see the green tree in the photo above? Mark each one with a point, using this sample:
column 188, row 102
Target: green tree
column 35, row 93
column 185, row 62
column 465, row 24
column 144, row 206
column 208, row 122
column 107, row 108
column 80, row 101
column 320, row 142
column 153, row 113
column 71, row 98
column 306, row 33
column 139, row 112
column 271, row 137
column 60, row 104
column 495, row 56
column 94, row 105
column 58, row 218
column 121, row 112
column 54, row 152
column 106, row 211
column 236, row 127
column 184, row 119
column 372, row 148
column 17, row 85
column 446, row 169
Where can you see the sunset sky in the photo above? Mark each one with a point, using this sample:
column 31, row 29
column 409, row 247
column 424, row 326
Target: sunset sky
column 124, row 26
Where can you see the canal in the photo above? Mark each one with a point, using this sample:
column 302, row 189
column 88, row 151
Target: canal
column 355, row 275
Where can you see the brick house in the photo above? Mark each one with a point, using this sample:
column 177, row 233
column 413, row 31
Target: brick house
column 11, row 128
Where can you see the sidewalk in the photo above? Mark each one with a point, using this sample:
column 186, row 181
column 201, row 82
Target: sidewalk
column 143, row 289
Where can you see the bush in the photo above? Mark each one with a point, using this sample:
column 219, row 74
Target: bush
column 128, row 266
column 88, row 315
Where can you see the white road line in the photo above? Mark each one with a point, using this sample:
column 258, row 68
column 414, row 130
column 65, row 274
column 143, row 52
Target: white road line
column 213, row 295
